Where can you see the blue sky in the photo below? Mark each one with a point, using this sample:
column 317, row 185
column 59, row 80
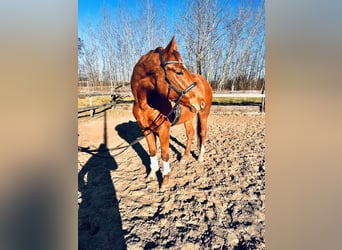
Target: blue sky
column 92, row 10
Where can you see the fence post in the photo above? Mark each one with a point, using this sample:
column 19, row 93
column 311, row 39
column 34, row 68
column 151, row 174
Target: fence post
column 92, row 112
column 263, row 98
column 89, row 96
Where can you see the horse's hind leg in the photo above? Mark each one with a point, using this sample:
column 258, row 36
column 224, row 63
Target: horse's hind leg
column 189, row 127
column 202, row 121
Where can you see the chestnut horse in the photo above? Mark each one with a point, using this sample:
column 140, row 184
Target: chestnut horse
column 166, row 93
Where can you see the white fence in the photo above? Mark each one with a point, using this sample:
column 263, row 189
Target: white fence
column 234, row 94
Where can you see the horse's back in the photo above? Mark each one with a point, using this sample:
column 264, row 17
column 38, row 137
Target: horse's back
column 143, row 68
column 138, row 75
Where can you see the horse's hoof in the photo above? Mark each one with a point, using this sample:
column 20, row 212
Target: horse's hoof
column 152, row 176
column 200, row 159
column 184, row 159
column 165, row 182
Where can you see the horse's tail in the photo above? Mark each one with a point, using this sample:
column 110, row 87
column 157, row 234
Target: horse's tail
column 198, row 131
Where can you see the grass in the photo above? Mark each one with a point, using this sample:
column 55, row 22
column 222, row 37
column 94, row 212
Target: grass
column 236, row 100
column 96, row 100
column 99, row 100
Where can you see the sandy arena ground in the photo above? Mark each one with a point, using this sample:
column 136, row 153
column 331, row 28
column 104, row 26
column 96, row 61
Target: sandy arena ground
column 217, row 204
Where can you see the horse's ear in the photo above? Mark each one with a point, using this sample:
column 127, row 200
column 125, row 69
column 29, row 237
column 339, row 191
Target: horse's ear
column 171, row 46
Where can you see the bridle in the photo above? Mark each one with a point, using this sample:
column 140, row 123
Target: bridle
column 176, row 110
column 180, row 93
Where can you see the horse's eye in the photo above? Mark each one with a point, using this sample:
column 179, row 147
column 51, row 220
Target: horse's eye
column 180, row 72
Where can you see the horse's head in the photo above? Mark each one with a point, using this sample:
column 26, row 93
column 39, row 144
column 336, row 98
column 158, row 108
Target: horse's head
column 174, row 80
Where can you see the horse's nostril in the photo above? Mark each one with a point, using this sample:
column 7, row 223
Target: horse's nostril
column 202, row 104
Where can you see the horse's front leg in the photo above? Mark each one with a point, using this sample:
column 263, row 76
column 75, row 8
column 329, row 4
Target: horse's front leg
column 151, row 142
column 164, row 137
column 142, row 120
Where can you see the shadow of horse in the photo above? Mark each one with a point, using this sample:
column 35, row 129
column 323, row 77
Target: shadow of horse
column 174, row 149
column 129, row 131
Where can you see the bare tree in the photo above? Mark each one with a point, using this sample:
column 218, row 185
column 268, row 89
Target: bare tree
column 129, row 44
column 107, row 42
column 218, row 39
column 242, row 37
column 81, row 70
column 90, row 57
column 200, row 27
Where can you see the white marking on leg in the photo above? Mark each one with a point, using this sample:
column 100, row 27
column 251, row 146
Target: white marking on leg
column 166, row 168
column 200, row 158
column 154, row 163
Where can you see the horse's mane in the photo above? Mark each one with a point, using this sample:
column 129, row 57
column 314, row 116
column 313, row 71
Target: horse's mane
column 157, row 50
column 148, row 63
column 175, row 53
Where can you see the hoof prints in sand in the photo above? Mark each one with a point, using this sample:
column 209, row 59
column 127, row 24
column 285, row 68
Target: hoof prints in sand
column 217, row 204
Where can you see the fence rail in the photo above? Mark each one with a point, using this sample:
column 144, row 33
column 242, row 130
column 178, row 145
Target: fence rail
column 235, row 94
column 242, row 95
column 93, row 108
column 115, row 96
column 104, row 93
